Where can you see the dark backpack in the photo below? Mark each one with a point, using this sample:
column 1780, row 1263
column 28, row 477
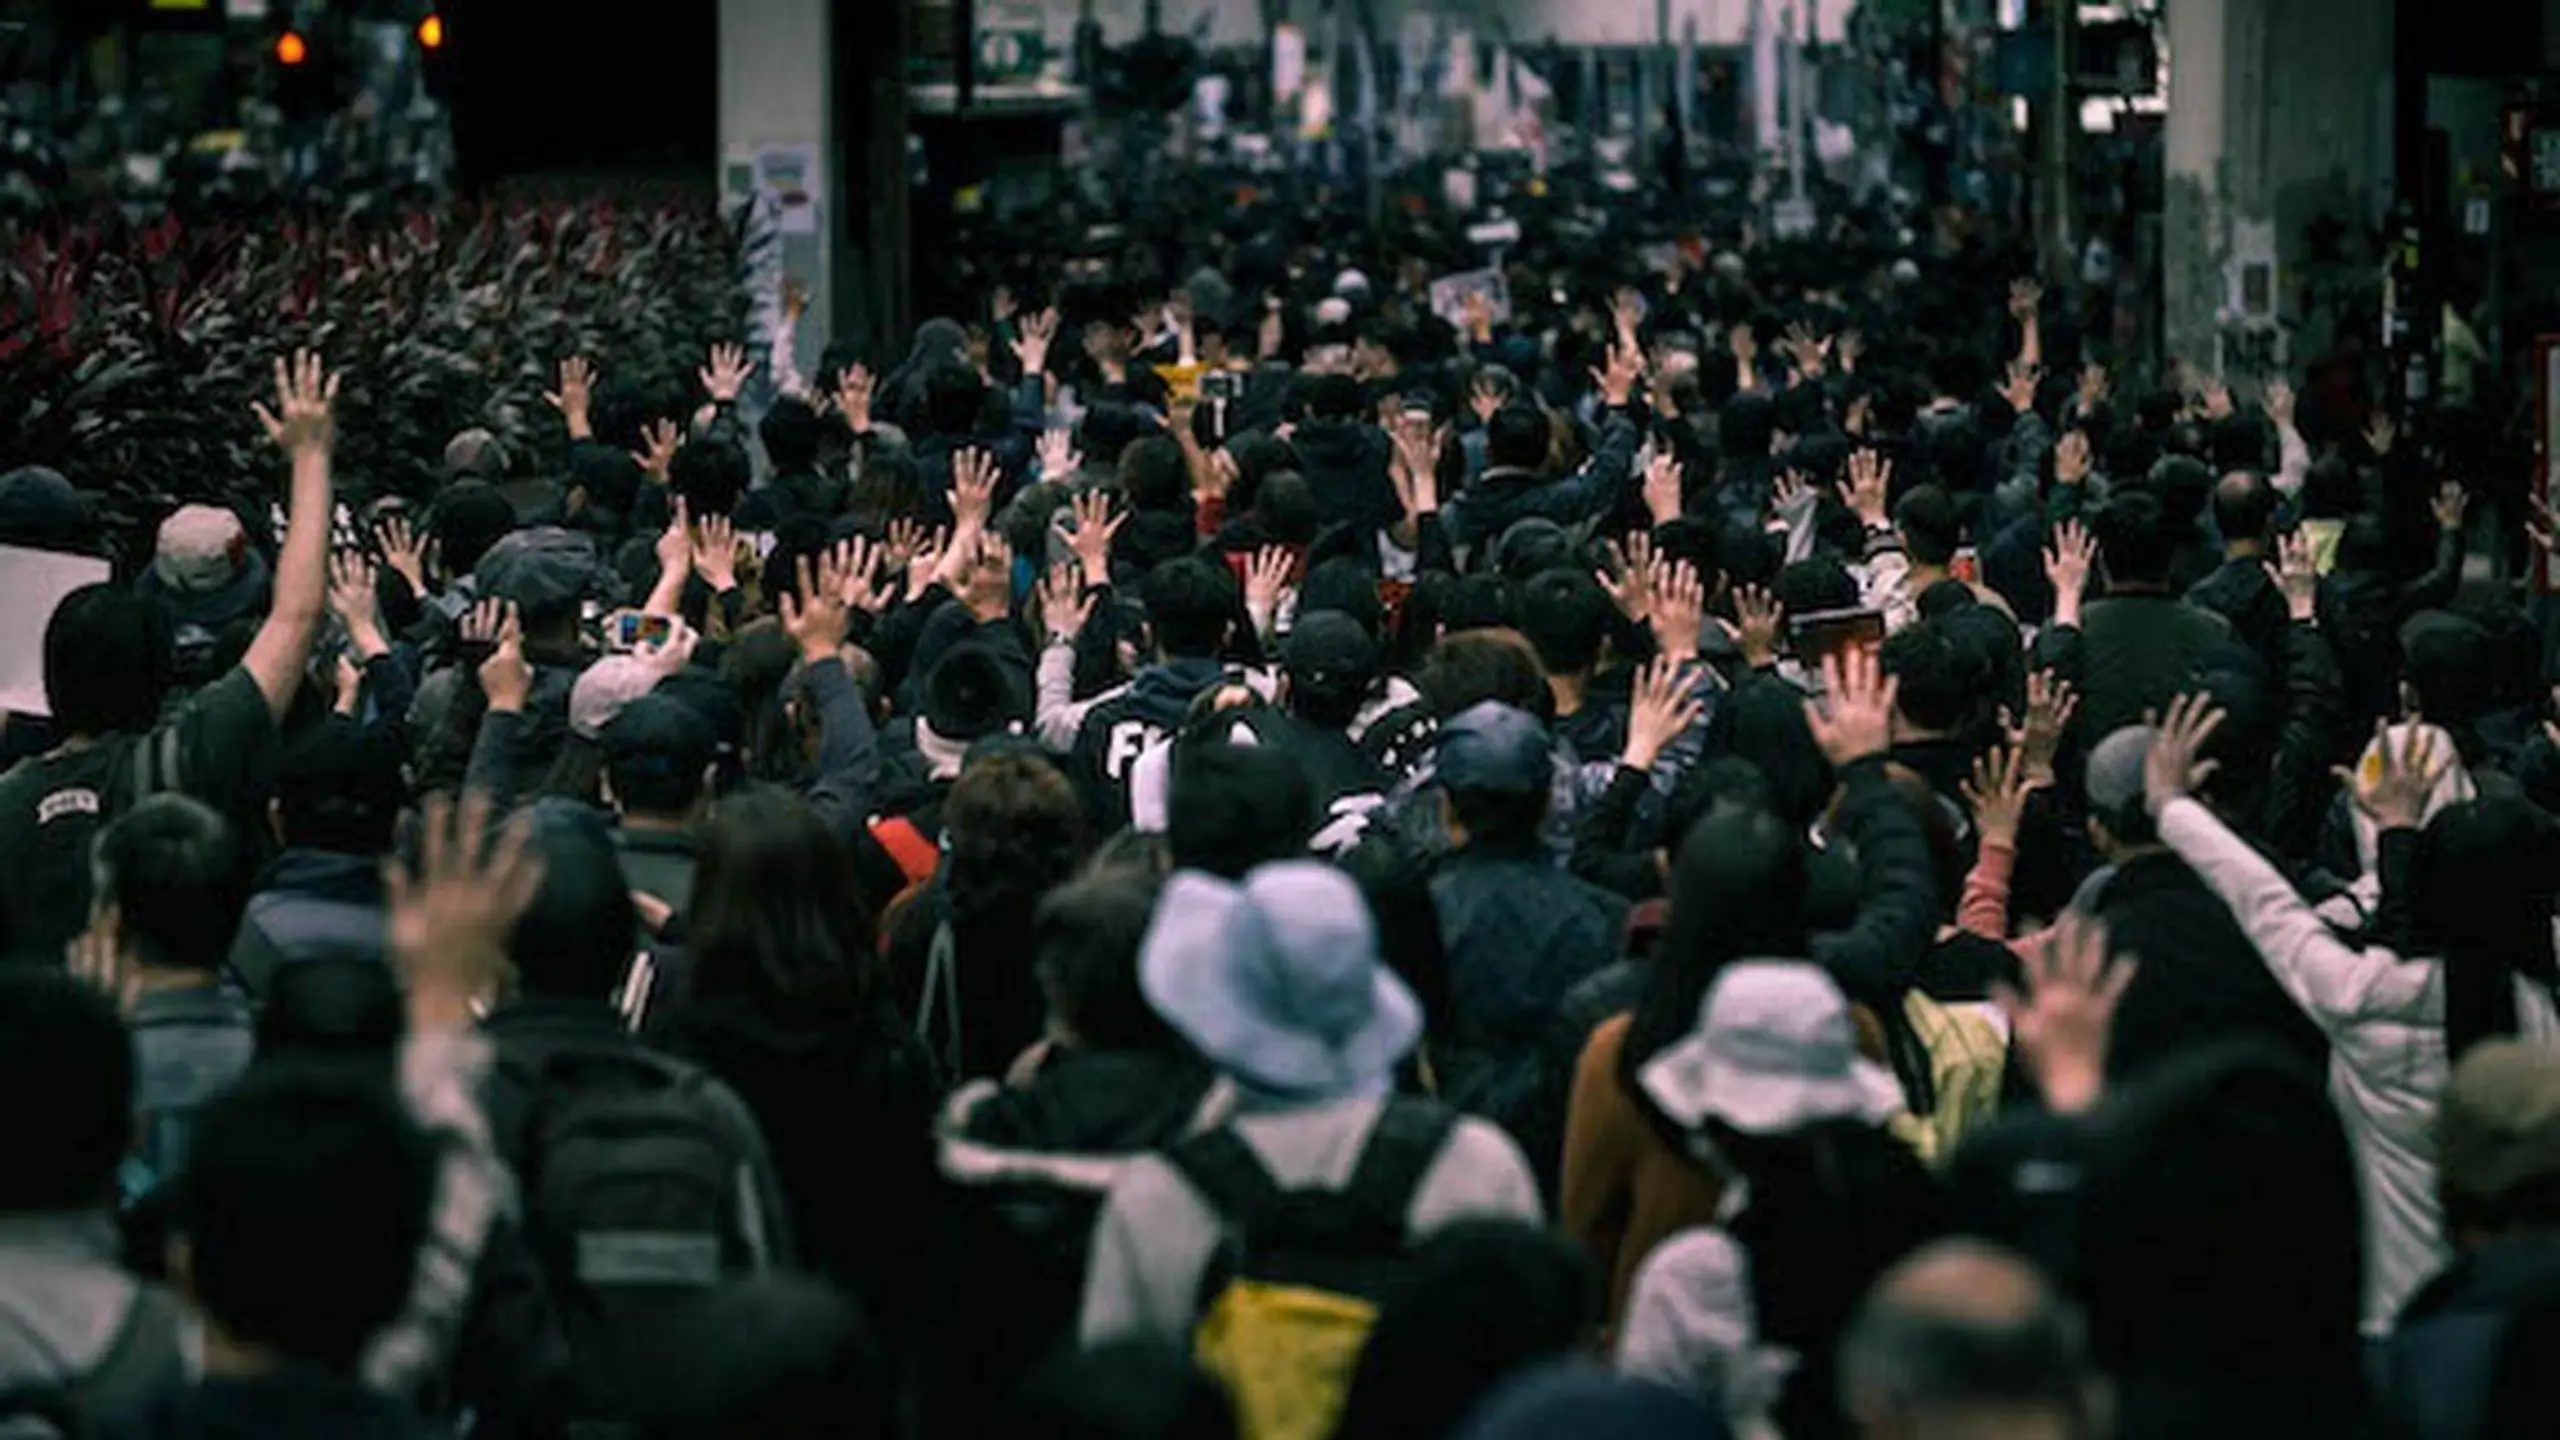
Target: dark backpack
column 639, row 1197
column 1287, row 1302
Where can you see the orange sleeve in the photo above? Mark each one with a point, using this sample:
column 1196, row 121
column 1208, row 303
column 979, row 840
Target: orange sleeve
column 1984, row 910
column 1599, row 1164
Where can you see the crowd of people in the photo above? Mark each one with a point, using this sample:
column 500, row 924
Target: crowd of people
column 1744, row 843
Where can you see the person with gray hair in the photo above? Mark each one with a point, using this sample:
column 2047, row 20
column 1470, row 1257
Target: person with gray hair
column 1967, row 1341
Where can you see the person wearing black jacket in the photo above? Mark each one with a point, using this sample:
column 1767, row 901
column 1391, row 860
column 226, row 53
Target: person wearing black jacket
column 1190, row 604
column 1025, row 1160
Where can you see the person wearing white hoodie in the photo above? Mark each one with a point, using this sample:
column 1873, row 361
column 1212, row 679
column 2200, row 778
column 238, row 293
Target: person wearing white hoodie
column 2474, row 959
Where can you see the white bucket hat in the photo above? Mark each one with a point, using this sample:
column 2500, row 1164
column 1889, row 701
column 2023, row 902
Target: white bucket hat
column 1774, row 1051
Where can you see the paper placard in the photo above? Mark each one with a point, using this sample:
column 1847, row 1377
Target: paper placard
column 32, row 586
column 1449, row 295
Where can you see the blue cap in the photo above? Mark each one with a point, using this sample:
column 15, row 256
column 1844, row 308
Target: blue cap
column 1493, row 746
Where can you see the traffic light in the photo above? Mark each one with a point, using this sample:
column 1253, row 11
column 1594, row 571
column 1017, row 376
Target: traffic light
column 290, row 49
column 431, row 33
column 302, row 70
column 435, row 56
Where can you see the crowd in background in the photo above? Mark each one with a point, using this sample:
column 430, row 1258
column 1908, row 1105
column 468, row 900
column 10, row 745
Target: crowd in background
column 1742, row 839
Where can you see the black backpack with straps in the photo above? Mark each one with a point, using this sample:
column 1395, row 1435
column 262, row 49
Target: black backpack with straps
column 1287, row 1301
column 639, row 1197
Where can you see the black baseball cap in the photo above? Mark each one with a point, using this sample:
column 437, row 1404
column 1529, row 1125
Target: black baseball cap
column 660, row 738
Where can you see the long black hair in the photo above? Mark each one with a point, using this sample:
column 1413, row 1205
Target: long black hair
column 2488, row 872
column 1737, row 891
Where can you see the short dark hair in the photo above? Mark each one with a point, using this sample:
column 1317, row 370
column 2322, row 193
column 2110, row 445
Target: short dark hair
column 1501, row 819
column 178, row 879
column 470, row 517
column 64, row 1054
column 793, row 433
column 307, row 1190
column 1931, row 528
column 1473, row 666
column 1939, row 679
column 656, row 763
column 1191, row 603
column 1234, row 807
column 1517, row 437
column 1811, row 586
column 1330, row 397
column 2244, row 506
column 1287, row 509
column 2133, row 539
column 1014, row 831
column 954, row 398
column 1154, row 475
column 339, row 789
column 1565, row 614
column 576, row 940
column 1086, row 935
column 108, row 655
column 709, row 476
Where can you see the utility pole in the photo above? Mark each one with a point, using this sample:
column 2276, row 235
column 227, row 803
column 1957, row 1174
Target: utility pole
column 2060, row 120
column 871, row 39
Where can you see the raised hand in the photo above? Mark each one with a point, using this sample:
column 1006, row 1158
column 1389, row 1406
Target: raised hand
column 1617, row 379
column 2093, row 387
column 1853, row 720
column 447, row 919
column 1059, row 458
column 1033, row 338
column 1870, row 481
column 2037, row 737
column 2380, row 435
column 656, row 456
column 1485, row 397
column 814, row 615
column 404, row 552
column 986, row 588
column 2019, row 389
column 2297, row 576
column 2176, row 768
column 1064, row 604
column 715, row 552
column 1265, row 576
column 973, row 489
column 2452, row 502
column 1788, row 491
column 2217, row 400
column 1416, row 471
column 675, row 543
column 575, row 399
column 1663, row 710
column 1810, row 353
column 302, row 425
column 1628, row 577
column 727, row 373
column 1095, row 528
column 2072, row 461
column 506, row 677
column 2395, row 796
column 1679, row 608
column 857, row 572
column 354, row 600
column 2067, row 563
column 1662, row 476
column 855, row 387
column 350, row 684
column 924, row 560
column 1758, row 620
column 1626, row 313
column 2025, row 297
column 2060, row 1023
column 1997, row 795
column 1852, row 344
column 2278, row 403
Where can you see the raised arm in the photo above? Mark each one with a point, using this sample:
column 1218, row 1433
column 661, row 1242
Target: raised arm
column 302, row 426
